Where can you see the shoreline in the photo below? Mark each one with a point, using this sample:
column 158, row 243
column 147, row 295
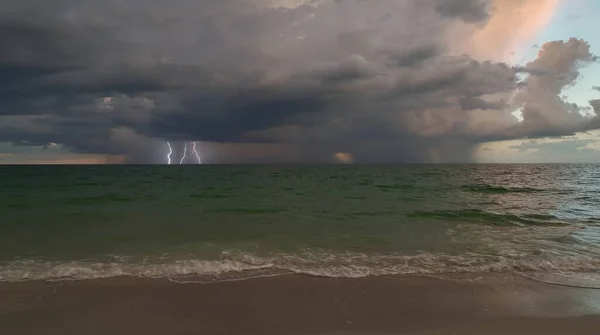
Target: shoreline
column 480, row 303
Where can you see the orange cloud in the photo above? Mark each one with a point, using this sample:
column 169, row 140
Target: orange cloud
column 343, row 157
column 512, row 24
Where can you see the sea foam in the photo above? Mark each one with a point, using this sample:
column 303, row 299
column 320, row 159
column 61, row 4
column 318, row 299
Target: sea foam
column 237, row 266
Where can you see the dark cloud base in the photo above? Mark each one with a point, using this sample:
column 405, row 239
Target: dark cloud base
column 272, row 85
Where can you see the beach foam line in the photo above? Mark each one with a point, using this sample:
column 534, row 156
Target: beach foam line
column 239, row 266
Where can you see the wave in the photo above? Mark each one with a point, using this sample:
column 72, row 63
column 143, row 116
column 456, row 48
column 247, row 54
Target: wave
column 240, row 266
column 396, row 186
column 486, row 217
column 491, row 189
column 98, row 199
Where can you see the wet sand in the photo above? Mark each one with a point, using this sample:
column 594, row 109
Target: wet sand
column 460, row 304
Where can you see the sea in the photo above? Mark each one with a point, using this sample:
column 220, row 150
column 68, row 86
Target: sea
column 210, row 223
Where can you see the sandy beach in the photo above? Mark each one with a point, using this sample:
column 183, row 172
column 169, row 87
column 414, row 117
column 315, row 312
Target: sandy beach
column 293, row 304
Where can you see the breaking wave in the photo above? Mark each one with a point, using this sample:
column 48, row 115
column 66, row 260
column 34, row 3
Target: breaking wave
column 240, row 266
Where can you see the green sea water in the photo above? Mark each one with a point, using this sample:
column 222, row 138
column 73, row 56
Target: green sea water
column 166, row 221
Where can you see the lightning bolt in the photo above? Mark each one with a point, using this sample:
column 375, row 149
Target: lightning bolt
column 184, row 153
column 169, row 154
column 196, row 153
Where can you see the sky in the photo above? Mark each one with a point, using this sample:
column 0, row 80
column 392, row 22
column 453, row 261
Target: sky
column 572, row 18
column 299, row 81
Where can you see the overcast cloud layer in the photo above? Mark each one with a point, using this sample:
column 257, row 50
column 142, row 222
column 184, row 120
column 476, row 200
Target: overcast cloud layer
column 385, row 80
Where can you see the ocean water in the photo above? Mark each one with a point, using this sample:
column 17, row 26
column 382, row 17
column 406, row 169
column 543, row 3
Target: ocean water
column 209, row 222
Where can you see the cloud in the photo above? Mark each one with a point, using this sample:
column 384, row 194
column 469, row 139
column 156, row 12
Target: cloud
column 581, row 148
column 343, row 157
column 354, row 68
column 275, row 81
column 597, row 88
column 472, row 103
column 467, row 10
column 596, row 105
column 511, row 23
column 556, row 68
column 569, row 151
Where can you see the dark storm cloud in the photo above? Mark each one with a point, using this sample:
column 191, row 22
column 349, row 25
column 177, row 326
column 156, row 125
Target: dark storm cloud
column 229, row 116
column 354, row 68
column 33, row 47
column 596, row 105
column 470, row 103
column 468, row 10
column 47, row 63
column 312, row 80
column 414, row 56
